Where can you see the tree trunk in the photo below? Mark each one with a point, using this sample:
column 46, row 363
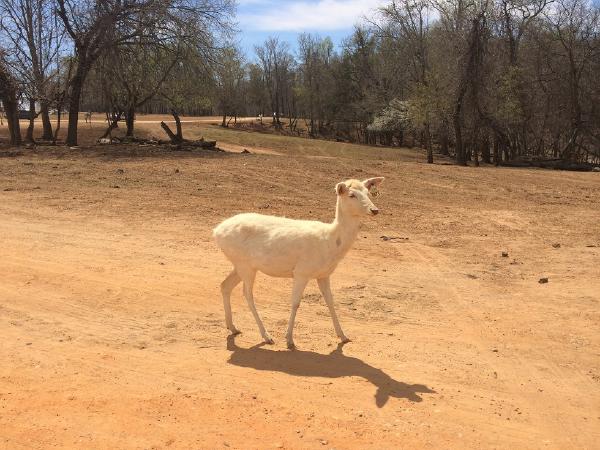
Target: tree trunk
column 171, row 135
column 130, row 121
column 444, row 140
column 496, row 152
column 460, row 150
column 9, row 100
column 276, row 120
column 224, row 122
column 58, row 119
column 457, row 119
column 30, row 128
column 429, row 145
column 76, row 87
column 485, row 150
column 113, row 124
column 175, row 138
column 177, row 125
column 46, row 124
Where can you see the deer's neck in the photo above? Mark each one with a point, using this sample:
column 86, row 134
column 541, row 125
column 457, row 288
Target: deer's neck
column 344, row 229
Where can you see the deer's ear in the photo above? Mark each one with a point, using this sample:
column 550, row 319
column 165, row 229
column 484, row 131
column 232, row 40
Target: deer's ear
column 370, row 182
column 341, row 188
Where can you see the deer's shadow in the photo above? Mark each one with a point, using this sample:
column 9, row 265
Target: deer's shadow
column 332, row 365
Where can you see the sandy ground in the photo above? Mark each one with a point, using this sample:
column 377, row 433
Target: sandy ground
column 111, row 323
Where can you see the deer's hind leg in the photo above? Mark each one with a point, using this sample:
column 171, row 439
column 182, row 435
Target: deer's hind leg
column 232, row 280
column 297, row 290
column 248, row 275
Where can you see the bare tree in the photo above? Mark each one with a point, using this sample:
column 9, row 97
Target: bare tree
column 316, row 57
column 407, row 24
column 95, row 27
column 575, row 28
column 8, row 96
column 91, row 27
column 229, row 79
column 132, row 75
column 276, row 60
column 32, row 34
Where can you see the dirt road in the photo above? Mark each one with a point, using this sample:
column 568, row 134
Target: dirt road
column 111, row 323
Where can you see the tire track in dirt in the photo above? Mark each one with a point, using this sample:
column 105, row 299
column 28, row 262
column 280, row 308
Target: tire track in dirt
column 511, row 366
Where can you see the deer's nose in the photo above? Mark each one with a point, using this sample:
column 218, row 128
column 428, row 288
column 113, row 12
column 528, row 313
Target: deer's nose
column 374, row 211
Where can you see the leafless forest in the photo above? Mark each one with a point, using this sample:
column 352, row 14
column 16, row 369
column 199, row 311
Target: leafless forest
column 493, row 80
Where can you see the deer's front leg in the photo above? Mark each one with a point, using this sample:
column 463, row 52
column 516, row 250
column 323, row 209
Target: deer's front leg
column 326, row 291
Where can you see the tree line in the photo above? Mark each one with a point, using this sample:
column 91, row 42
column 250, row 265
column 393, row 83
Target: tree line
column 488, row 81
column 484, row 80
column 54, row 53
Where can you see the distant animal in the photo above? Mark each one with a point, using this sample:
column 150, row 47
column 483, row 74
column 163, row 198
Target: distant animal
column 88, row 117
column 298, row 249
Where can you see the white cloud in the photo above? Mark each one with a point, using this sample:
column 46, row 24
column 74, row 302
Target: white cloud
column 325, row 15
column 253, row 2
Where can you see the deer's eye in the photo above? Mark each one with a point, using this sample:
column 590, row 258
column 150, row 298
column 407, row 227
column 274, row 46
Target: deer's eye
column 352, row 196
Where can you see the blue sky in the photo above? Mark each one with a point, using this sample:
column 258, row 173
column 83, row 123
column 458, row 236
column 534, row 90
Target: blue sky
column 259, row 19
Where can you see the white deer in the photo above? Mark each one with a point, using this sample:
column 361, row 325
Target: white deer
column 298, row 249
